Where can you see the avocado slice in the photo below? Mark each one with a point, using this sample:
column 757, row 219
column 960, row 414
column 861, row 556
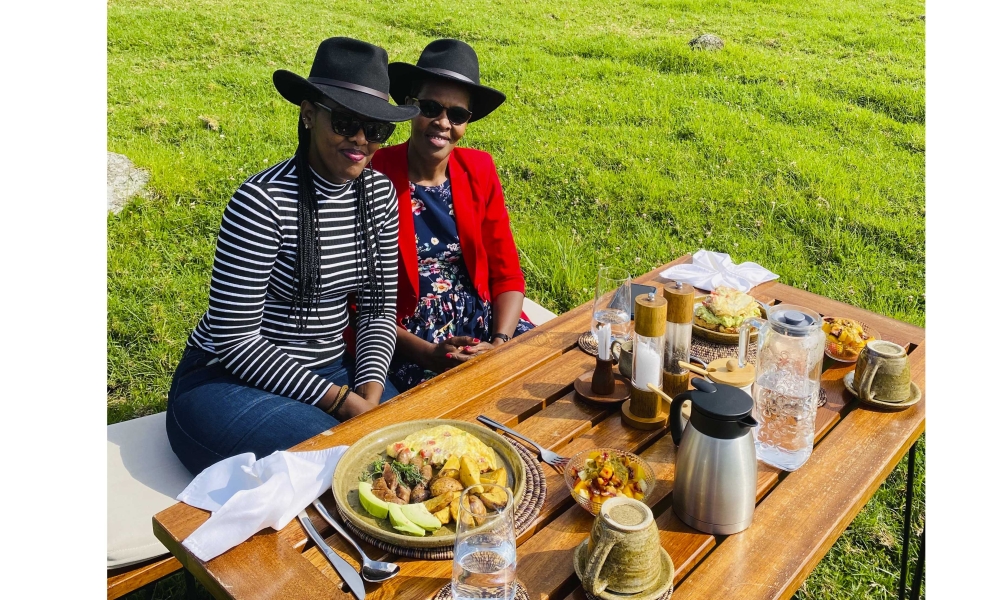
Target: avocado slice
column 401, row 523
column 375, row 506
column 419, row 515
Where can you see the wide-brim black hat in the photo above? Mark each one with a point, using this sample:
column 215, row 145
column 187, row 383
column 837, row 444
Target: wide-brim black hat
column 449, row 60
column 351, row 73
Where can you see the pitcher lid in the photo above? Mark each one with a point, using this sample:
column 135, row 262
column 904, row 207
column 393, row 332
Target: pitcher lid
column 796, row 321
column 720, row 401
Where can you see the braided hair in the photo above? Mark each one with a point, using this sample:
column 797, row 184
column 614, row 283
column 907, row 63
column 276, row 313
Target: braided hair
column 308, row 259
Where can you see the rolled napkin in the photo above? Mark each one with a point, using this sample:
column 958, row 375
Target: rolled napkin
column 708, row 270
column 246, row 495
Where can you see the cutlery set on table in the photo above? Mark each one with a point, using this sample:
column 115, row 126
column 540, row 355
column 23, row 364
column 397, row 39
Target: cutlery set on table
column 373, row 571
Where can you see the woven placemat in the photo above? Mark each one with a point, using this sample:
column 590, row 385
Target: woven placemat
column 703, row 349
column 524, row 513
column 666, row 595
column 520, row 592
column 709, row 351
column 588, row 343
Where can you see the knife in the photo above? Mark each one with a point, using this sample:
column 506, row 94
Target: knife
column 343, row 568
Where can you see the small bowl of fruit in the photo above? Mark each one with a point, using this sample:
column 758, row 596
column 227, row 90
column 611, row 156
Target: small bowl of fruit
column 593, row 476
column 845, row 338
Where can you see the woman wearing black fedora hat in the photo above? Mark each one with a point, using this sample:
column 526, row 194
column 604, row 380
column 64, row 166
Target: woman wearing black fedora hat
column 461, row 287
column 265, row 368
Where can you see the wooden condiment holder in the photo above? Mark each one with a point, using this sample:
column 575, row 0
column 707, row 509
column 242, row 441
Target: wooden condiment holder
column 680, row 310
column 643, row 409
column 680, row 302
column 603, row 381
column 726, row 371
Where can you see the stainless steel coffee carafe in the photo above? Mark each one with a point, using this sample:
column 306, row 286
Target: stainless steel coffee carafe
column 715, row 475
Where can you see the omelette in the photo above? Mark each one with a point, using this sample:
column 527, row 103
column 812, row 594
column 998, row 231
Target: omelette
column 438, row 443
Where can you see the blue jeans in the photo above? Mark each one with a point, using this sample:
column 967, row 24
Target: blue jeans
column 213, row 414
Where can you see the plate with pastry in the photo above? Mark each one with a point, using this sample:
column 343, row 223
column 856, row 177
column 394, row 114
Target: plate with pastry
column 845, row 338
column 718, row 316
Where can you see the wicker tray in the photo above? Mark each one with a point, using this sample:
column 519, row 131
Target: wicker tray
column 524, row 513
column 520, row 592
column 666, row 595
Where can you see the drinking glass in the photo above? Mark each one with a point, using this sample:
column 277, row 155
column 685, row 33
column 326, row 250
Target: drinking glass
column 485, row 545
column 613, row 303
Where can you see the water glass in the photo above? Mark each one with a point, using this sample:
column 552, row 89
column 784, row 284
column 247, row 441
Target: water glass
column 485, row 545
column 613, row 303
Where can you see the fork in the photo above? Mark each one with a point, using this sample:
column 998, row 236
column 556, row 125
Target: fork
column 548, row 457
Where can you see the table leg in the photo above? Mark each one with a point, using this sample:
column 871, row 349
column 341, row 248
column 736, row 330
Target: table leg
column 189, row 585
column 918, row 574
column 904, row 558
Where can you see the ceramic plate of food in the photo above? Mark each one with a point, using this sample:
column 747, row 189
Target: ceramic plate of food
column 845, row 338
column 717, row 317
column 401, row 484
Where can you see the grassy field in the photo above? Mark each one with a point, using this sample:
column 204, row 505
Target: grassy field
column 800, row 146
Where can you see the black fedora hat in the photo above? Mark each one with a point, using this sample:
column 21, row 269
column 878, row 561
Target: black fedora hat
column 350, row 72
column 450, row 60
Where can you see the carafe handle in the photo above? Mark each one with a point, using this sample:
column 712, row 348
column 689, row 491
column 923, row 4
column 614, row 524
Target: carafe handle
column 744, row 346
column 676, row 430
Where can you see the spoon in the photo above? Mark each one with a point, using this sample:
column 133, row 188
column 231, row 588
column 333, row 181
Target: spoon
column 685, row 411
column 374, row 571
column 694, row 368
column 660, row 393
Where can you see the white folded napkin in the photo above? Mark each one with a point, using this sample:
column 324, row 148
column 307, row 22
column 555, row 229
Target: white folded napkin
column 709, row 270
column 246, row 495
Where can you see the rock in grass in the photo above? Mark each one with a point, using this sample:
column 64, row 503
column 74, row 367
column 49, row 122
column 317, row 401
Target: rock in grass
column 125, row 180
column 706, row 41
column 210, row 123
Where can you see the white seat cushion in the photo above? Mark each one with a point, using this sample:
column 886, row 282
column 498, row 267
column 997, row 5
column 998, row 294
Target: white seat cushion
column 144, row 477
column 536, row 313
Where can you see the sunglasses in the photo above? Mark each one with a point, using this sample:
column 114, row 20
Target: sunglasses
column 431, row 109
column 348, row 126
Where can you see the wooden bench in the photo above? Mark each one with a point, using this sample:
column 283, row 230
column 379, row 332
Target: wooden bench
column 144, row 477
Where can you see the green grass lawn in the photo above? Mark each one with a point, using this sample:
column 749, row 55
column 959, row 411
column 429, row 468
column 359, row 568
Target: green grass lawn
column 800, row 146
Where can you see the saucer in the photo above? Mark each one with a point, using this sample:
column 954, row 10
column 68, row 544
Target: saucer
column 660, row 589
column 620, row 393
column 915, row 395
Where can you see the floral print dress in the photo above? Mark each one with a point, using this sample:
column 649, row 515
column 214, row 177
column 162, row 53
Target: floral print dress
column 448, row 305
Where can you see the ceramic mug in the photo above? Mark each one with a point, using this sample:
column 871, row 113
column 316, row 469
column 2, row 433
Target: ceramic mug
column 624, row 549
column 883, row 372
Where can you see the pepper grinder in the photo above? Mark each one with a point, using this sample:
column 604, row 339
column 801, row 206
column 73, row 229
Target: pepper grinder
column 643, row 409
column 680, row 318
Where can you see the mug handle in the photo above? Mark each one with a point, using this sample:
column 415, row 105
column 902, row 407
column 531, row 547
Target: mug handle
column 592, row 574
column 865, row 385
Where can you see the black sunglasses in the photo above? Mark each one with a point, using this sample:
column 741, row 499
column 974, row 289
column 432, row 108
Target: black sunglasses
column 431, row 109
column 348, row 126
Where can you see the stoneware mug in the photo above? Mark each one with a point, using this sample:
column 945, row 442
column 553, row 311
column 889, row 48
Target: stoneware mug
column 883, row 372
column 624, row 549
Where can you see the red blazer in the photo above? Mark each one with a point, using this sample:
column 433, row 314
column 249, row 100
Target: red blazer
column 481, row 218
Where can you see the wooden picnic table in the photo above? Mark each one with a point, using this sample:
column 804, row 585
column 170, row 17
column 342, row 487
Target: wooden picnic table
column 527, row 384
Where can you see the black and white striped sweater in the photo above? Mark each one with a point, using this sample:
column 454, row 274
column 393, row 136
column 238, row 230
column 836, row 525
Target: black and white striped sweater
column 249, row 325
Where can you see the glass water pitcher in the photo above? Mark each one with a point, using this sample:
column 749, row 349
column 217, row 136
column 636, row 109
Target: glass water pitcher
column 786, row 390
